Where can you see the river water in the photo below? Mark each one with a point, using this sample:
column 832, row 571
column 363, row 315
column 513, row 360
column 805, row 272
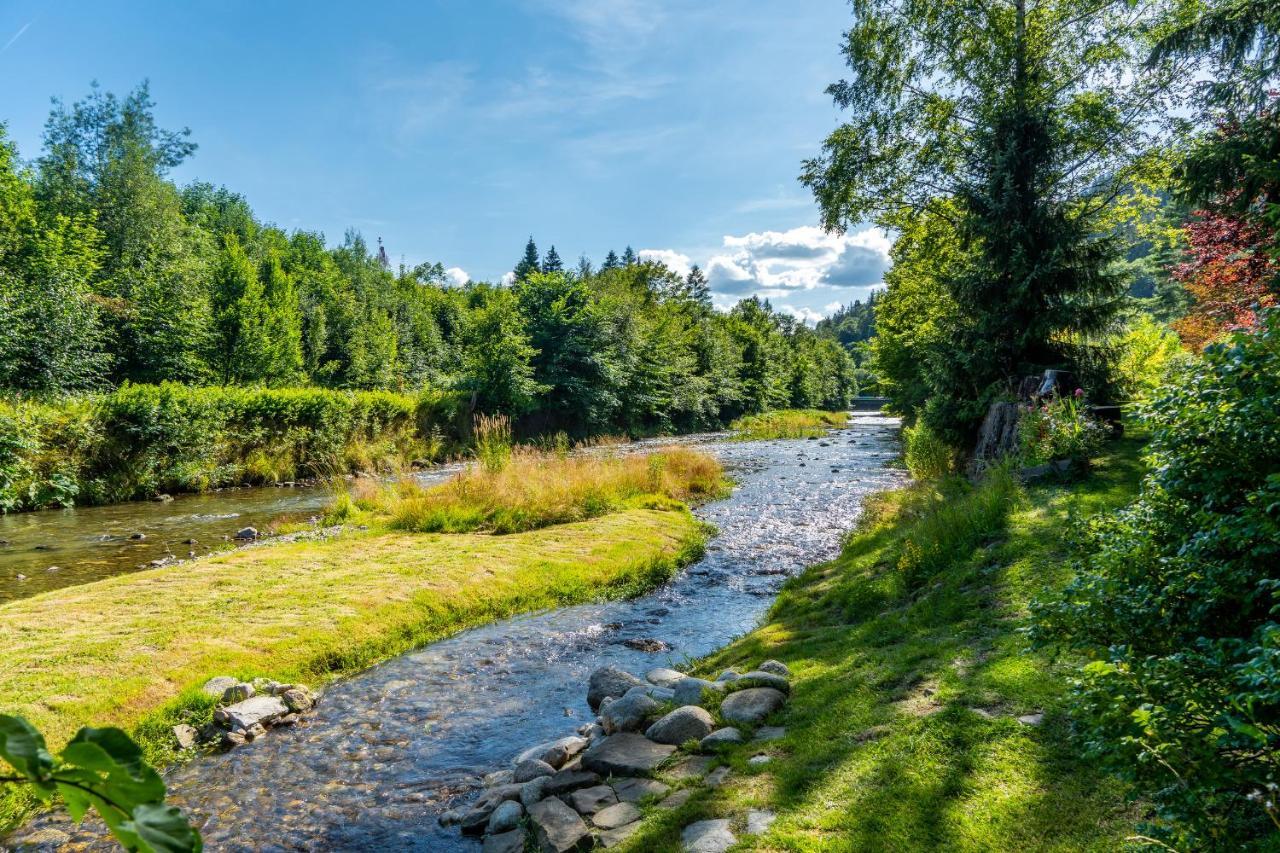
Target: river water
column 390, row 749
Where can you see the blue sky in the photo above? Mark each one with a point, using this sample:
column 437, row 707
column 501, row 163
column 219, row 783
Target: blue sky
column 455, row 129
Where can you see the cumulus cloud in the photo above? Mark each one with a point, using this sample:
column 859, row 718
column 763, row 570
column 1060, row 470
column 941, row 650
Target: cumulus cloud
column 456, row 276
column 509, row 278
column 805, row 315
column 674, row 261
column 804, row 258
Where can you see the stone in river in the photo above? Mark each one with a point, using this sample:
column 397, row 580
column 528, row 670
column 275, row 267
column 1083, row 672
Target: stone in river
column 707, row 836
column 558, row 828
column 629, row 713
column 571, row 745
column 688, row 691
column 262, row 710
column 608, row 681
column 532, row 769
column 626, row 754
column 588, row 801
column 299, row 698
column 682, row 724
column 646, row 644
column 632, row 790
column 246, row 533
column 569, row 780
column 505, row 817
column 498, row 777
column 504, row 842
column 751, row 705
column 218, row 685
column 616, row 815
column 663, row 677
column 777, row 667
column 720, row 737
column 758, row 678
column 534, row 791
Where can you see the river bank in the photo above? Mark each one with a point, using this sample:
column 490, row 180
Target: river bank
column 917, row 718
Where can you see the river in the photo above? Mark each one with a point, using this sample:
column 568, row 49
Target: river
column 391, row 748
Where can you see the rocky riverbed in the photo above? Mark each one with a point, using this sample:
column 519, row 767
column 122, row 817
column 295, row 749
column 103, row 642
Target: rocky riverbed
column 387, row 752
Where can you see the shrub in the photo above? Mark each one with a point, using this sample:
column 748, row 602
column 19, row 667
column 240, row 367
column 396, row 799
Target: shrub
column 1148, row 353
column 1059, row 429
column 928, row 457
column 1177, row 600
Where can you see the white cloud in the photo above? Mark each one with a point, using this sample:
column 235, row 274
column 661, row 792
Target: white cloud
column 509, row 278
column 457, row 276
column 675, row 261
column 805, row 315
column 804, row 258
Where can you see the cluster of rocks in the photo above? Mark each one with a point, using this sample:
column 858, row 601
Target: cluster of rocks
column 246, row 710
column 588, row 788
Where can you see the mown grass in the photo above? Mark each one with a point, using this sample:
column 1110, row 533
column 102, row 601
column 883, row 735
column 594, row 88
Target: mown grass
column 910, row 674
column 132, row 651
column 528, row 489
column 787, row 423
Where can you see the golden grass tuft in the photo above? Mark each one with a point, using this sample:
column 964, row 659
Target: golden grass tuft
column 536, row 488
column 787, row 423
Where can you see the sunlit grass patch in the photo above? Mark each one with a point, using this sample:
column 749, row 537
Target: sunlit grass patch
column 524, row 489
column 787, row 423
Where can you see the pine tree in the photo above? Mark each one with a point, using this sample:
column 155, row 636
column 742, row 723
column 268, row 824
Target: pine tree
column 552, row 263
column 628, row 257
column 529, row 263
column 611, row 261
column 698, row 289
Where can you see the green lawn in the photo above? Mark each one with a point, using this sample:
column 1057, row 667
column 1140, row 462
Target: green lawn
column 133, row 650
column 902, row 733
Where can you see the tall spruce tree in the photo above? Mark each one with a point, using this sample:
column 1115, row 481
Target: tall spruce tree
column 629, row 257
column 611, row 261
column 551, row 261
column 529, row 264
column 698, row 288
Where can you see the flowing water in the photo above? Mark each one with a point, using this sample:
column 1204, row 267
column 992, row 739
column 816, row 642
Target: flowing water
column 390, row 749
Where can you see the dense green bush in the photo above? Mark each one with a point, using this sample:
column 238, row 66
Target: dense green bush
column 928, row 457
column 140, row 440
column 1177, row 601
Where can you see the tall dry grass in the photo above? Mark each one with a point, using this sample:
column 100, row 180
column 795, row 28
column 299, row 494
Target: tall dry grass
column 536, row 488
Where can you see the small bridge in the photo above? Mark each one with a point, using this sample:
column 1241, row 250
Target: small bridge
column 868, row 404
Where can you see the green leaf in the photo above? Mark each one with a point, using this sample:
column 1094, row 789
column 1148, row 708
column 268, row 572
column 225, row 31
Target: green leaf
column 24, row 748
column 164, row 829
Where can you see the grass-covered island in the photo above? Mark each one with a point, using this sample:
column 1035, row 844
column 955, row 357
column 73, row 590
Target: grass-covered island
column 133, row 651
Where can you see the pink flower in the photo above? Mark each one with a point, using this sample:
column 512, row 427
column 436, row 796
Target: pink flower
column 1079, row 393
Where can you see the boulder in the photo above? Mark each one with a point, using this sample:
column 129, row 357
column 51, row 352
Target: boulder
column 245, row 533
column 505, row 817
column 531, row 769
column 777, row 667
column 688, row 691
column 570, row 745
column 299, row 698
column 728, row 675
column 757, row 678
column 616, row 815
column 721, row 737
column 632, row 790
column 707, row 836
column 534, row 791
column 752, row 705
column 660, row 694
column 626, row 754
column 218, row 685
column 682, row 724
column 608, row 681
column 263, row 710
column 629, row 713
column 569, row 780
column 505, row 842
column 663, row 677
column 558, row 828
column 588, row 801
column 499, row 777
column 238, row 693
column 186, row 736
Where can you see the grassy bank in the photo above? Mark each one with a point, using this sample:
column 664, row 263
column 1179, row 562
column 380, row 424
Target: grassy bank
column 529, row 489
column 787, row 423
column 910, row 676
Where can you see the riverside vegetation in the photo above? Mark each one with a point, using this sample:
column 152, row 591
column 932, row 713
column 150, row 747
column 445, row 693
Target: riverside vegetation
column 356, row 599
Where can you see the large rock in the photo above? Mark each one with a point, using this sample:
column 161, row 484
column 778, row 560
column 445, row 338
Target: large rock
column 609, row 681
column 570, row 780
column 476, row 819
column 616, row 815
column 688, row 691
column 752, row 705
column 568, row 746
column 707, row 836
column 534, row 791
column 626, row 754
column 506, row 842
column 721, row 737
column 777, row 667
column 238, row 692
column 558, row 828
column 218, row 685
column 531, row 769
column 758, row 678
column 588, row 801
column 505, row 817
column 682, row 724
column 186, row 736
column 663, row 677
column 260, row 710
column 629, row 713
column 632, row 790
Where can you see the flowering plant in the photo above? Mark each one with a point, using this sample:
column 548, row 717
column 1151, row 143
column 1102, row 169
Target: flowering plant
column 1060, row 428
